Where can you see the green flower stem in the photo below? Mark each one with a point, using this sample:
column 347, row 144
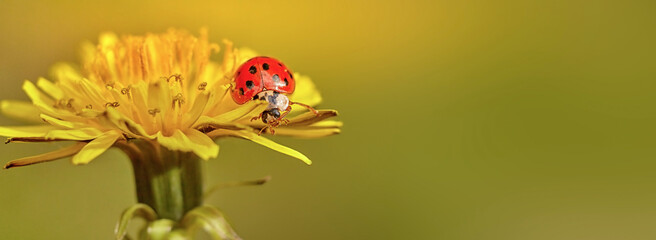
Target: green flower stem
column 168, row 181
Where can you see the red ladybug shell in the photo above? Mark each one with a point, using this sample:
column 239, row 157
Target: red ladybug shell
column 259, row 74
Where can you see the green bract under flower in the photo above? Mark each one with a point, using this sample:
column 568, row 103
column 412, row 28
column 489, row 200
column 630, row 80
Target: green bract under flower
column 159, row 87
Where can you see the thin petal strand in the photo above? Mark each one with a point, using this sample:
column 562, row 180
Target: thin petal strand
column 307, row 133
column 46, row 157
column 310, row 118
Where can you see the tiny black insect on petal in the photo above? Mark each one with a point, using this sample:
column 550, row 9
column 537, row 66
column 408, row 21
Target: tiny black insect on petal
column 252, row 70
column 249, row 84
column 275, row 78
column 265, row 66
column 241, row 91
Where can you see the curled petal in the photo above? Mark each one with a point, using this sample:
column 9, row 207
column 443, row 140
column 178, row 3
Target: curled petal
column 96, row 147
column 138, row 210
column 46, row 157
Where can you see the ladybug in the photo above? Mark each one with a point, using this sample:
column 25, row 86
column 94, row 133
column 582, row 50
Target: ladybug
column 266, row 79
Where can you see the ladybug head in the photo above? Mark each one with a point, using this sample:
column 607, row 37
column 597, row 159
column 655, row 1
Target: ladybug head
column 270, row 115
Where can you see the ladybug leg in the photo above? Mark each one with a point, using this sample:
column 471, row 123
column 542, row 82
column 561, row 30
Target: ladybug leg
column 262, row 130
column 306, row 106
column 282, row 118
column 256, row 118
column 270, row 125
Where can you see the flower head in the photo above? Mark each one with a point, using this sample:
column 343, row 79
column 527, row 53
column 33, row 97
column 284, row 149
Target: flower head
column 159, row 88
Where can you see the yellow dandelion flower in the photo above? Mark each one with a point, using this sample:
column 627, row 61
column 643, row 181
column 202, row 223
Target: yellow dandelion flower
column 161, row 100
column 161, row 88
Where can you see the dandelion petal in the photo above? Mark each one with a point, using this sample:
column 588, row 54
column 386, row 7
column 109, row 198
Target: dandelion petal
column 307, row 133
column 306, row 92
column 96, row 147
column 264, row 142
column 50, row 88
column 46, row 157
column 191, row 141
column 310, row 118
column 20, row 110
column 202, row 144
column 26, row 131
column 79, row 134
column 57, row 122
column 197, row 109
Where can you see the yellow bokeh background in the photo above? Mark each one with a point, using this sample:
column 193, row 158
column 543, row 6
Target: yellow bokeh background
column 463, row 119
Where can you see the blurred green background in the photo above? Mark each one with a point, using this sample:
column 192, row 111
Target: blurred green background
column 463, row 119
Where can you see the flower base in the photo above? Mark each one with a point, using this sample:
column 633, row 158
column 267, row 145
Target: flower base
column 168, row 181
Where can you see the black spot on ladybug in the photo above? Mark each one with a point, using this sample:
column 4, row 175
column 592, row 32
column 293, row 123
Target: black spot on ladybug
column 286, row 82
column 290, row 74
column 249, row 84
column 241, row 91
column 265, row 66
column 255, row 97
column 238, row 74
column 275, row 78
column 252, row 70
column 280, row 64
